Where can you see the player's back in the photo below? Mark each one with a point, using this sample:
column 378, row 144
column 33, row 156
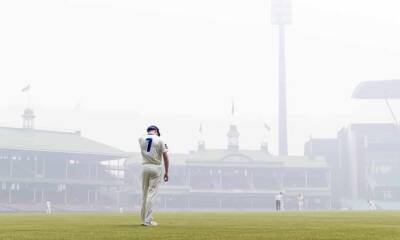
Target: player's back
column 278, row 197
column 152, row 148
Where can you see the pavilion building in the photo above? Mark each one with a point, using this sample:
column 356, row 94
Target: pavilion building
column 235, row 178
column 64, row 168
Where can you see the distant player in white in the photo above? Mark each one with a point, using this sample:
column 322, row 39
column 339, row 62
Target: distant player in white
column 48, row 207
column 278, row 201
column 154, row 150
column 300, row 202
column 372, row 205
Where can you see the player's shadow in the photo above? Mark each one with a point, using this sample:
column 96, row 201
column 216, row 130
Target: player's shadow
column 130, row 226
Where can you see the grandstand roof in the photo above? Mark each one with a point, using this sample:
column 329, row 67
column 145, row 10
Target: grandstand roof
column 54, row 141
column 385, row 89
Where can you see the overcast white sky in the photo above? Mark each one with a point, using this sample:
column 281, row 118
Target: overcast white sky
column 110, row 68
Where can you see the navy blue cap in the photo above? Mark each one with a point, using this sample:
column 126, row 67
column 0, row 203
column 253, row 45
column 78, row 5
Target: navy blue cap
column 154, row 128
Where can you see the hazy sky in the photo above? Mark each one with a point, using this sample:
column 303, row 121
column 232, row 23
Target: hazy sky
column 110, row 68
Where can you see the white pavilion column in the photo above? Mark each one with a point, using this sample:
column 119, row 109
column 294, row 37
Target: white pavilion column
column 44, row 167
column 281, row 180
column 96, row 193
column 188, row 177
column 11, row 166
column 96, row 170
column 66, row 179
column 251, row 173
column 96, row 196
column 188, row 203
column 34, row 195
column 219, row 178
column 306, row 176
column 35, row 167
column 89, row 170
column 65, row 195
column 329, row 179
column 66, row 169
column 118, row 197
column 9, row 195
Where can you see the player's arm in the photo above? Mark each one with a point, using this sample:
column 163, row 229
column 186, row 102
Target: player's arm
column 164, row 150
column 166, row 165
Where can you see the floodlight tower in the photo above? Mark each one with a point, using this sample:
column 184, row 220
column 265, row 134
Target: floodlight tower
column 281, row 15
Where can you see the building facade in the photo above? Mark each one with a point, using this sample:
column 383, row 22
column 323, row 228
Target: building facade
column 364, row 159
column 371, row 156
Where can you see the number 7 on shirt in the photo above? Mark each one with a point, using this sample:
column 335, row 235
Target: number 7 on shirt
column 150, row 141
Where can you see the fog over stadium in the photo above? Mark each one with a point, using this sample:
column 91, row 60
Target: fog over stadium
column 89, row 76
column 106, row 56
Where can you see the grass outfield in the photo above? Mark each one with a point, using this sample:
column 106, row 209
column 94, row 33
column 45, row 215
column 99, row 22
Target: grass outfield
column 283, row 226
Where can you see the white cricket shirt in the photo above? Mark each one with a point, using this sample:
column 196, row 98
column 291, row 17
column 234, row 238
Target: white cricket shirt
column 152, row 148
column 278, row 197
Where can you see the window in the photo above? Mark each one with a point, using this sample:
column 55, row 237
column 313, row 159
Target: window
column 15, row 186
column 383, row 169
column 387, row 195
column 61, row 187
column 72, row 162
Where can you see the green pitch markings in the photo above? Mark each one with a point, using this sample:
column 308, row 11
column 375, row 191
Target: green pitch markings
column 192, row 226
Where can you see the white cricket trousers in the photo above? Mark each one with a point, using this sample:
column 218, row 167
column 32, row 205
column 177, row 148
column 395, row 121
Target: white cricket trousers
column 151, row 179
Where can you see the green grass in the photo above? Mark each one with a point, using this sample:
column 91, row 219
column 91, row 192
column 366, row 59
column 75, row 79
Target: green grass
column 191, row 226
